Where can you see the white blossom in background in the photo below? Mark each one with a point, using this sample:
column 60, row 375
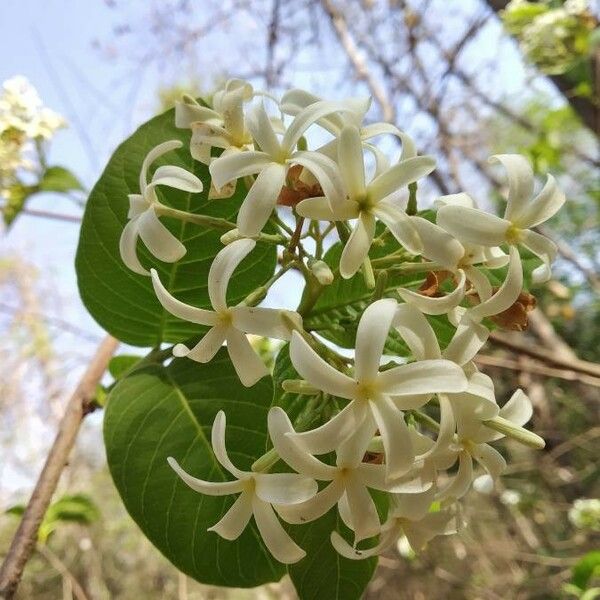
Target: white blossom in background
column 258, row 492
column 227, row 324
column 379, row 424
column 143, row 220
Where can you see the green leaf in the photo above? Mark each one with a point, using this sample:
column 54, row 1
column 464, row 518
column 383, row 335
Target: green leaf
column 123, row 302
column 156, row 412
column 17, row 196
column 120, row 365
column 586, row 568
column 323, row 573
column 59, row 179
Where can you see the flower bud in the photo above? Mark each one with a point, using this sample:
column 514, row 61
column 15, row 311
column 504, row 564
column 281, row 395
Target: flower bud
column 231, row 236
column 322, row 272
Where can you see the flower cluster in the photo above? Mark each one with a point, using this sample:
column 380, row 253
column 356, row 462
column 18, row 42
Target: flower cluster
column 384, row 435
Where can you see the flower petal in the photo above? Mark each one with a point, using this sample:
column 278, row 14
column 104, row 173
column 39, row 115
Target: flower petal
column 423, row 377
column 188, row 111
column 480, row 282
column 400, row 175
column 278, row 542
column 375, row 129
column 350, row 453
column 247, row 364
column 158, row 239
column 205, row 350
column 363, row 512
column 218, row 445
column 222, row 268
column 209, row 488
column 371, row 335
column 545, row 249
column 508, row 292
column 284, row 488
column 235, row 520
column 351, row 162
column 128, row 247
column 416, row 331
column 262, row 131
column 466, row 342
column 317, row 372
column 177, row 178
column 436, row 306
column 520, row 183
column 518, row 409
column 412, row 506
column 155, row 153
column 343, row 548
column 461, row 482
column 438, row 245
column 357, row 247
column 460, row 199
column 326, row 172
column 292, row 454
column 261, row 200
column 544, row 206
column 266, row 322
column 180, row 309
column 320, row 209
column 472, row 225
column 400, row 225
column 231, row 166
column 399, row 453
column 315, row 507
column 490, row 459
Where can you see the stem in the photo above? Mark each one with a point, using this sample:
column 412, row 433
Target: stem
column 212, row 222
column 411, row 207
column 80, row 404
column 424, row 419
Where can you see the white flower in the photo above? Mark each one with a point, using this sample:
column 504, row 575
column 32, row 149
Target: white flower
column 373, row 394
column 272, row 162
column 367, row 202
column 258, row 491
column 143, row 220
column 472, row 442
column 349, row 479
column 521, row 215
column 222, row 126
column 409, row 516
column 228, row 324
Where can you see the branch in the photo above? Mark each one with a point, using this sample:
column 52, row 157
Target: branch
column 79, row 405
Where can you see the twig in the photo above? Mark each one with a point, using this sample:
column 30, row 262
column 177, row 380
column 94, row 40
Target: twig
column 58, row 564
column 80, row 404
column 45, row 214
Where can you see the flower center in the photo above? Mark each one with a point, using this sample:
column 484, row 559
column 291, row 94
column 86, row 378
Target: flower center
column 514, row 234
column 366, row 390
column 225, row 318
column 365, row 203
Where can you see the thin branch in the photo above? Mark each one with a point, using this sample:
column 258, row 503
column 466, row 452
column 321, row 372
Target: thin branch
column 80, row 404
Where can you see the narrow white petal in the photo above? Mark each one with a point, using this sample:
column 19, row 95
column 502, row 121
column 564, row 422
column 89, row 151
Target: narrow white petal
column 205, row 350
column 209, row 488
column 412, row 506
column 208, row 135
column 188, row 112
column 423, row 377
column 545, row 249
column 180, row 309
column 472, row 225
column 158, row 239
column 357, row 247
column 400, row 225
column 363, row 512
column 218, row 445
column 330, row 435
column 446, row 432
column 461, row 482
column 262, row 131
column 232, row 166
column 317, row 372
column 326, row 172
column 436, row 306
column 399, row 453
column 235, row 520
column 266, row 322
column 350, row 453
column 438, row 245
column 460, row 199
column 320, row 209
column 293, row 455
column 222, row 268
column 518, row 409
column 466, row 342
column 416, row 331
column 480, row 282
column 373, row 476
column 351, row 161
column 177, row 178
column 371, row 335
column 400, row 175
column 128, row 247
column 284, row 488
column 343, row 548
column 375, row 129
column 247, row 364
column 544, row 206
column 315, row 507
column 156, row 152
column 261, row 200
column 520, row 183
column 278, row 542
column 508, row 292
column 137, row 205
column 490, row 459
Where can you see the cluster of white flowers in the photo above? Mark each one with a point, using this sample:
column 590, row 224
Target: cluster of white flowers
column 384, row 438
column 23, row 119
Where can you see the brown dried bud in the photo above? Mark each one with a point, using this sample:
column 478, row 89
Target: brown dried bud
column 515, row 318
